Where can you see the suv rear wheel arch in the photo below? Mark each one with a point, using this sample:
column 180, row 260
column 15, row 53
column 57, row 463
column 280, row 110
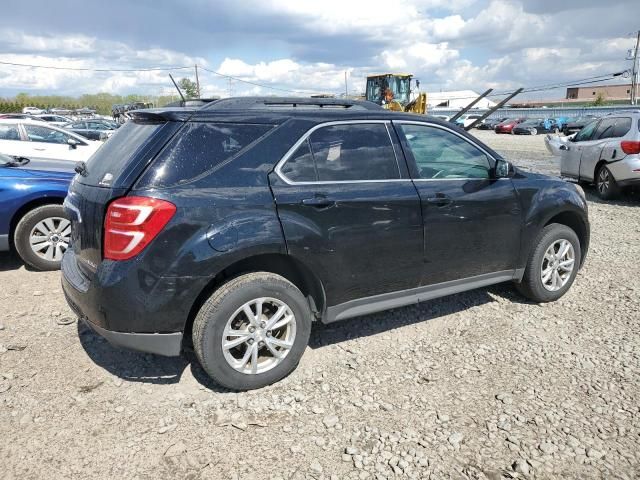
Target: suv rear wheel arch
column 281, row 264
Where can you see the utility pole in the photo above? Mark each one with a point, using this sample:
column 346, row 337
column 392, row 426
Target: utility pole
column 346, row 86
column 634, row 75
column 197, row 81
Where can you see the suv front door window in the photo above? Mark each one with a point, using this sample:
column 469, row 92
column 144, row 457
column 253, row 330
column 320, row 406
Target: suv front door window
column 345, row 208
column 460, row 200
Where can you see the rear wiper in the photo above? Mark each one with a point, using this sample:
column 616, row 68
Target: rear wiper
column 81, row 169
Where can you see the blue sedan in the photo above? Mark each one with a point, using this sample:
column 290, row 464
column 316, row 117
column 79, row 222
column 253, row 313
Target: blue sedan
column 31, row 217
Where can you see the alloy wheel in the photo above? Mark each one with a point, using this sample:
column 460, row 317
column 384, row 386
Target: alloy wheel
column 557, row 265
column 604, row 181
column 50, row 238
column 259, row 335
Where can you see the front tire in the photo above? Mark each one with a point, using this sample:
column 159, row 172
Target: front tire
column 606, row 185
column 42, row 236
column 553, row 264
column 252, row 331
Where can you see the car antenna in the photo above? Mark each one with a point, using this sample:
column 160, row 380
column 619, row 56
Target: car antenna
column 177, row 88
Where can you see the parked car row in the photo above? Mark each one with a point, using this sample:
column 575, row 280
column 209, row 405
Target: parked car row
column 91, row 128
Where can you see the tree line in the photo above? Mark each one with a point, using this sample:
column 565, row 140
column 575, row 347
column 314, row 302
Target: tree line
column 100, row 102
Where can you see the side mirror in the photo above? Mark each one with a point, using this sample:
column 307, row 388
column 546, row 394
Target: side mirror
column 73, row 143
column 503, row 169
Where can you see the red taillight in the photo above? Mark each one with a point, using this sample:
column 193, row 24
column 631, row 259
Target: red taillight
column 630, row 147
column 132, row 223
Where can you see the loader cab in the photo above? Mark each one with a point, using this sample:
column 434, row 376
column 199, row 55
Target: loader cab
column 381, row 87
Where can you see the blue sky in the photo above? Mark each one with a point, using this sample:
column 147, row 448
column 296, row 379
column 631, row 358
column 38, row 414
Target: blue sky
column 305, row 45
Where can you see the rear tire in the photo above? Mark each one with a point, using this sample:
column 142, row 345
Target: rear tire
column 222, row 320
column 606, row 186
column 42, row 236
column 535, row 284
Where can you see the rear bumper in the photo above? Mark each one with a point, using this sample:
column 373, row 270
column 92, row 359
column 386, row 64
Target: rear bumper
column 626, row 171
column 130, row 308
column 4, row 243
column 167, row 344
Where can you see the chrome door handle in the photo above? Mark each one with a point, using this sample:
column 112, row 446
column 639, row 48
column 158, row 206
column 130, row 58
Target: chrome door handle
column 440, row 200
column 318, row 202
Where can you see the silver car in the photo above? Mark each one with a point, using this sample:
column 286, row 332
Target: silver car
column 605, row 152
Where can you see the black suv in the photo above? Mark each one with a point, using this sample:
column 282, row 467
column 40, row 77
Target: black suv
column 238, row 224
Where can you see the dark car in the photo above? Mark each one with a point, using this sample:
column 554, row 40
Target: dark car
column 92, row 129
column 490, row 123
column 574, row 125
column 31, row 217
column 507, row 125
column 237, row 225
column 534, row 126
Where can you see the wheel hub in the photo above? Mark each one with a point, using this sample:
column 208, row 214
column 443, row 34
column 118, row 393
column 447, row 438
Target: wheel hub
column 259, row 335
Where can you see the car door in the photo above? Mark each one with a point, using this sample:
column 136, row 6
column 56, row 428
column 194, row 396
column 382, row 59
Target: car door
column 472, row 221
column 349, row 210
column 570, row 158
column 47, row 142
column 11, row 142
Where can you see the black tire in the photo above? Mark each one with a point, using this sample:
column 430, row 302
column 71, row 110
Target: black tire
column 23, row 230
column 211, row 320
column 606, row 186
column 531, row 285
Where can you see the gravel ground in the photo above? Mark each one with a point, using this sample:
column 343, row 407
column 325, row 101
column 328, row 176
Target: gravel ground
column 481, row 385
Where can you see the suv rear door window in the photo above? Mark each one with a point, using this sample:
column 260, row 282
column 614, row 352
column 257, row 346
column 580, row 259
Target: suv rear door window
column 199, row 148
column 623, row 125
column 586, row 132
column 354, row 152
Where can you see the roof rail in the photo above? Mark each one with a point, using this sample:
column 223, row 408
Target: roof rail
column 288, row 103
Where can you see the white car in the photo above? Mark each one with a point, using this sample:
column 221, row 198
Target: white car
column 57, row 120
column 33, row 110
column 31, row 138
column 466, row 120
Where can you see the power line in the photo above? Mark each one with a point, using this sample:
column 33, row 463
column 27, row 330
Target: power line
column 85, row 69
column 257, row 84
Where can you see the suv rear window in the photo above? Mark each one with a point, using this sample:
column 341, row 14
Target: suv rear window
column 116, row 153
column 197, row 149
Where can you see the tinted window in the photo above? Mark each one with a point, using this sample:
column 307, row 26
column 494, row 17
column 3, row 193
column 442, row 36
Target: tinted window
column 623, row 125
column 440, row 154
column 45, row 135
column 198, row 148
column 586, row 131
column 299, row 167
column 78, row 125
column 114, row 155
column 354, row 152
column 9, row 132
column 605, row 129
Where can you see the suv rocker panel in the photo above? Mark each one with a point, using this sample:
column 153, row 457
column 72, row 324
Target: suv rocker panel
column 386, row 301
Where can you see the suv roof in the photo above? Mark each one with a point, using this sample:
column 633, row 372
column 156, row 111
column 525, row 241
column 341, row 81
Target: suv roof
column 289, row 103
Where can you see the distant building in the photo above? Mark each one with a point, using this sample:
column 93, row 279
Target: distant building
column 458, row 99
column 609, row 92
